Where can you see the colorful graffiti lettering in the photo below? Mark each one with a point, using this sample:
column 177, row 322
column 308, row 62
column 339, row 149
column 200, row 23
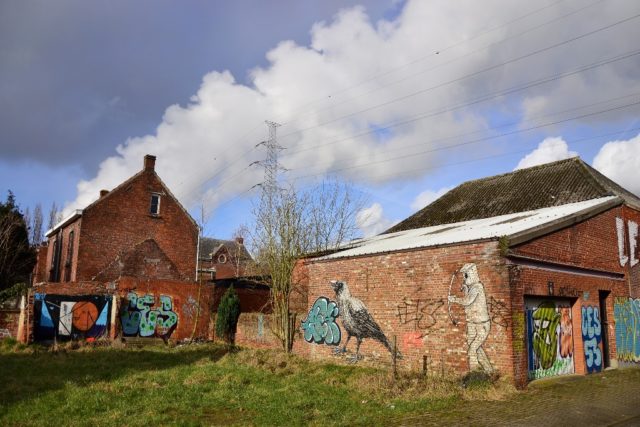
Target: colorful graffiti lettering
column 625, row 256
column 320, row 325
column 591, row 336
column 627, row 315
column 138, row 317
column 550, row 340
column 71, row 317
column 477, row 316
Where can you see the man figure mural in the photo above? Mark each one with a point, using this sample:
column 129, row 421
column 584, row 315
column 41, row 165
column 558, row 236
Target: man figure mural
column 474, row 302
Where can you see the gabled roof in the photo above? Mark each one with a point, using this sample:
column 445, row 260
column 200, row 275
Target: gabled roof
column 551, row 184
column 78, row 212
column 209, row 247
column 517, row 227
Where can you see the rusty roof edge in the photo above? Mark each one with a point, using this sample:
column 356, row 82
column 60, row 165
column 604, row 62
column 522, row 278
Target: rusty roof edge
column 550, row 227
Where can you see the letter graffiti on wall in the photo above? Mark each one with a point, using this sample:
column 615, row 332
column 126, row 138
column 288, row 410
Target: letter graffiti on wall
column 550, row 340
column 592, row 337
column 632, row 242
column 140, row 318
column 320, row 325
column 627, row 315
column 71, row 317
column 419, row 313
column 477, row 316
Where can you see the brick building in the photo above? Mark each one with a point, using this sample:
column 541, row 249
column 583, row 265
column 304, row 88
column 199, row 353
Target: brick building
column 532, row 273
column 123, row 266
column 138, row 229
column 223, row 259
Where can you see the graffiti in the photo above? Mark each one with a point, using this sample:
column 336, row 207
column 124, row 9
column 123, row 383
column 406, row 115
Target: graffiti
column 320, row 325
column 71, row 317
column 476, row 311
column 566, row 333
column 591, row 336
column 627, row 315
column 191, row 307
column 412, row 339
column 632, row 229
column 4, row 333
column 499, row 312
column 139, row 318
column 550, row 339
column 356, row 319
column 420, row 313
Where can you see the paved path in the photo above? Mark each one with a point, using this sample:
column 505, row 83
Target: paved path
column 611, row 398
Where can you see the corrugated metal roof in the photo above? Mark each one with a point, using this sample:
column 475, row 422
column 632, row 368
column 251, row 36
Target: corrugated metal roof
column 550, row 184
column 474, row 230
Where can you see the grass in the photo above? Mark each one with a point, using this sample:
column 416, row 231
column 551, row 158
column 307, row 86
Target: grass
column 206, row 384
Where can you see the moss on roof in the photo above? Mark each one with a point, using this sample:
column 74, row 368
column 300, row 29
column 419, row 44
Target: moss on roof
column 550, row 184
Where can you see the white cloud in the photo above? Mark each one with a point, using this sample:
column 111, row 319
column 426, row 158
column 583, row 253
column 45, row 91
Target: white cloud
column 371, row 220
column 620, row 161
column 549, row 150
column 426, row 197
column 309, row 88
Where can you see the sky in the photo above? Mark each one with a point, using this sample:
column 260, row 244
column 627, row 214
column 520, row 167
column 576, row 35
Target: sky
column 402, row 99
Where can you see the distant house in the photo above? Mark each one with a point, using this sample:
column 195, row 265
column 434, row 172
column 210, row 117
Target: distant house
column 138, row 229
column 223, row 259
column 532, row 273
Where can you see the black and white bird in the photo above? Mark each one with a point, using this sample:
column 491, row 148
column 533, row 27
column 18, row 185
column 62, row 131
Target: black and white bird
column 356, row 319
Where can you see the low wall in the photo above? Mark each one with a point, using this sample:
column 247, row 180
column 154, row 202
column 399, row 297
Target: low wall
column 127, row 308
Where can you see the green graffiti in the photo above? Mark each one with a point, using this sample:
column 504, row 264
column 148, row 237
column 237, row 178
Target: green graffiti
column 139, row 318
column 320, row 326
column 559, row 367
column 545, row 335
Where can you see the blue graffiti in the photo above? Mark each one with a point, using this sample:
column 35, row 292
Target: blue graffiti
column 627, row 315
column 592, row 336
column 139, row 318
column 320, row 325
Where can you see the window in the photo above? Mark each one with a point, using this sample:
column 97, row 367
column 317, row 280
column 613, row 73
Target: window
column 222, row 258
column 154, row 209
column 69, row 261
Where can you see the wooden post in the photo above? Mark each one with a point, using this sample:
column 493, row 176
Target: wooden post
column 424, row 365
column 395, row 357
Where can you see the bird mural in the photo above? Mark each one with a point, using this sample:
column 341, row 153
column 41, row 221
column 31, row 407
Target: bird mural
column 356, row 320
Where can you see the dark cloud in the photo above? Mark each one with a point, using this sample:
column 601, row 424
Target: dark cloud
column 77, row 78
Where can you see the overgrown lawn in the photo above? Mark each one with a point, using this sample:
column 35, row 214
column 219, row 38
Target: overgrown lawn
column 207, row 385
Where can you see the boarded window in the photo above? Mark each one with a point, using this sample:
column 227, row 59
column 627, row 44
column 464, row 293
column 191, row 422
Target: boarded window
column 154, row 209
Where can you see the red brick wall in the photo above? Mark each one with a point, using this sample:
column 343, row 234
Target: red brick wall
column 185, row 299
column 9, row 323
column 406, row 292
column 590, row 244
column 40, row 269
column 121, row 220
column 578, row 290
column 633, row 272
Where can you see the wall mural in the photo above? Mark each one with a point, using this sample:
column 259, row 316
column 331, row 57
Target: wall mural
column 140, row 318
column 592, row 337
column 627, row 254
column 477, row 316
column 320, row 325
column 356, row 320
column 550, row 339
column 627, row 315
column 71, row 317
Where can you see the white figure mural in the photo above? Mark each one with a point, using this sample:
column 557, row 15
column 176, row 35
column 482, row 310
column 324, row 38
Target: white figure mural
column 474, row 302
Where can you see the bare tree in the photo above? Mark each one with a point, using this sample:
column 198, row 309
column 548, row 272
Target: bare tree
column 53, row 216
column 36, row 227
column 291, row 224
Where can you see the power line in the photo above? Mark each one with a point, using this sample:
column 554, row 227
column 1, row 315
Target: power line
column 478, row 100
column 447, row 62
column 466, row 76
column 473, row 141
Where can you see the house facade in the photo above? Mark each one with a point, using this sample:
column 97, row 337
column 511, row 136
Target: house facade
column 531, row 274
column 138, row 229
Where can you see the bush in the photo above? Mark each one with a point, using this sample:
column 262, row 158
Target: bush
column 228, row 314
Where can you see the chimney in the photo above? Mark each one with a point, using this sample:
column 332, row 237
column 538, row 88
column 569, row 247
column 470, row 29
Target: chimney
column 149, row 162
column 240, row 240
column 103, row 193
